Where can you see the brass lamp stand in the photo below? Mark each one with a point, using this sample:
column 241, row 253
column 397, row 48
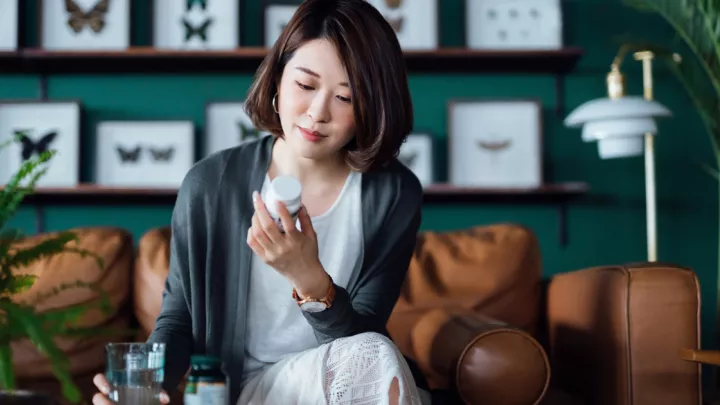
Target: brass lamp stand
column 616, row 89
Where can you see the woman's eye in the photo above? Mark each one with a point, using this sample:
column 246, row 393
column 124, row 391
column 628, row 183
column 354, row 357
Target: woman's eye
column 303, row 86
column 344, row 99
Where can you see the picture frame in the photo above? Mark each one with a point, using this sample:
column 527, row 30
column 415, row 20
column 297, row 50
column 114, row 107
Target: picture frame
column 415, row 22
column 144, row 154
column 514, row 25
column 495, row 143
column 417, row 154
column 195, row 25
column 100, row 25
column 276, row 14
column 9, row 25
column 226, row 126
column 42, row 126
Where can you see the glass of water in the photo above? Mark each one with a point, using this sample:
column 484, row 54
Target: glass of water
column 135, row 372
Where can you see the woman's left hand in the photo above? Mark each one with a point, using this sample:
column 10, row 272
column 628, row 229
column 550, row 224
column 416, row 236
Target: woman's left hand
column 294, row 253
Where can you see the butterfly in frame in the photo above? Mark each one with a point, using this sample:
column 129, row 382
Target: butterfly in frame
column 31, row 147
column 95, row 18
column 128, row 155
column 247, row 132
column 200, row 31
column 162, row 155
column 494, row 146
column 189, row 4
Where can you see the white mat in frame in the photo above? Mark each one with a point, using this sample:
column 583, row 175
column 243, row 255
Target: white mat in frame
column 417, row 154
column 415, row 22
column 143, row 154
column 495, row 143
column 84, row 24
column 227, row 125
column 196, row 24
column 42, row 126
column 9, row 18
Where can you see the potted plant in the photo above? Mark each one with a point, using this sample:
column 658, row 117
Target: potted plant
column 19, row 320
column 697, row 24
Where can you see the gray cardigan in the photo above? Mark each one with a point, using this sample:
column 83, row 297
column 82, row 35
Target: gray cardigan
column 204, row 303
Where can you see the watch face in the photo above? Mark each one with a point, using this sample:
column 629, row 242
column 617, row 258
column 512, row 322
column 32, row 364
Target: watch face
column 313, row 306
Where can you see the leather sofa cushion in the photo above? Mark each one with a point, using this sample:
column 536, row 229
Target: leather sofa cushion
column 488, row 361
column 494, row 270
column 114, row 246
column 152, row 264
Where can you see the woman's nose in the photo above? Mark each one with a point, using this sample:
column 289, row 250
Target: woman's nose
column 319, row 109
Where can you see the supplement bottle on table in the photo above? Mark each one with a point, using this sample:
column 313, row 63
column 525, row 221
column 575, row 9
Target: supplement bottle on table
column 286, row 189
column 207, row 383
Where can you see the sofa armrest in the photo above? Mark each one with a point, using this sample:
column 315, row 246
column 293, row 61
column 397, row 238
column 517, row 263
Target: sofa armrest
column 484, row 360
column 616, row 332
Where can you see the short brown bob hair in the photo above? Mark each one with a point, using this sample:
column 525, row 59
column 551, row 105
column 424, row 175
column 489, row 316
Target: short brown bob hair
column 369, row 50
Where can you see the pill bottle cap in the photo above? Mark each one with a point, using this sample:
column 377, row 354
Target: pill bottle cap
column 286, row 189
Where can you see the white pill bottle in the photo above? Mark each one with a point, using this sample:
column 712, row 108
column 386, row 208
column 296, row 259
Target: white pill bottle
column 288, row 190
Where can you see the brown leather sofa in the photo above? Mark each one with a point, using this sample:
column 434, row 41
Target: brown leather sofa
column 474, row 314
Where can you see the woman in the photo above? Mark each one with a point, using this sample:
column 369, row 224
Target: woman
column 333, row 92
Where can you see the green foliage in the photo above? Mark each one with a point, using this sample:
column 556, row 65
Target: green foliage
column 697, row 24
column 19, row 320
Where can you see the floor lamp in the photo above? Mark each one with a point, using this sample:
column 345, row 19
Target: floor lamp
column 624, row 126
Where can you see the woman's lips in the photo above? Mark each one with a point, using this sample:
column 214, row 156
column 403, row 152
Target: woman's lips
column 311, row 136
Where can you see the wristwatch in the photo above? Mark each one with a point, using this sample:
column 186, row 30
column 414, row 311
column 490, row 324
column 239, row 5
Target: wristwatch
column 311, row 304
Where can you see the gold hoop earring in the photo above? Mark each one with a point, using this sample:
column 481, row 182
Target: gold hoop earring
column 274, row 103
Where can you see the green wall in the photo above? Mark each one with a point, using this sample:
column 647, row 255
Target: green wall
column 608, row 232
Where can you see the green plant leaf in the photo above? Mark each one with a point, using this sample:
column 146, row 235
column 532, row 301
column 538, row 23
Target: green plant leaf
column 12, row 194
column 33, row 326
column 697, row 23
column 7, row 375
column 46, row 248
column 19, row 283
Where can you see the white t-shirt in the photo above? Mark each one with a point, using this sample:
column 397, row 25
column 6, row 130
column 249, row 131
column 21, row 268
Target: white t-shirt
column 275, row 325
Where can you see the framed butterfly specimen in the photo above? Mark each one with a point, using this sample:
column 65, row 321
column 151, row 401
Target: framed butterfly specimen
column 495, row 143
column 417, row 154
column 276, row 16
column 84, row 24
column 142, row 154
column 37, row 127
column 415, row 22
column 9, row 23
column 517, row 24
column 226, row 126
column 196, row 24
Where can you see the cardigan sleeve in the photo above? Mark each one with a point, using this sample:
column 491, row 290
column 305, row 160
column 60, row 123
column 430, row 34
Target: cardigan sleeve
column 383, row 272
column 174, row 323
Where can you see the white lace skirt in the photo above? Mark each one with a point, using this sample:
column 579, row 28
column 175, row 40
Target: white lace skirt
column 356, row 370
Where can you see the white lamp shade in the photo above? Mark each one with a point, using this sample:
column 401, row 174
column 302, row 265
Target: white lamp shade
column 618, row 125
column 607, row 108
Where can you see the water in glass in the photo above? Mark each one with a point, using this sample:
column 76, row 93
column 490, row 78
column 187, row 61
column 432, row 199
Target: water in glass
column 135, row 372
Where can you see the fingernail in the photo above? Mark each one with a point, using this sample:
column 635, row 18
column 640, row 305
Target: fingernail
column 164, row 397
column 255, row 197
column 105, row 389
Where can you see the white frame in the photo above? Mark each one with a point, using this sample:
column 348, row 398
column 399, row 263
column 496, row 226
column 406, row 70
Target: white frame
column 495, row 143
column 62, row 118
column 149, row 142
column 222, row 126
column 273, row 14
column 419, row 21
column 420, row 146
column 221, row 19
column 514, row 24
column 9, row 23
column 56, row 33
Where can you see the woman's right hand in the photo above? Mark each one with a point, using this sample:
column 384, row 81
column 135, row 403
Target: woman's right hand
column 101, row 397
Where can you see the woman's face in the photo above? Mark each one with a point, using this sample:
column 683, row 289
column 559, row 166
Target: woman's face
column 314, row 102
